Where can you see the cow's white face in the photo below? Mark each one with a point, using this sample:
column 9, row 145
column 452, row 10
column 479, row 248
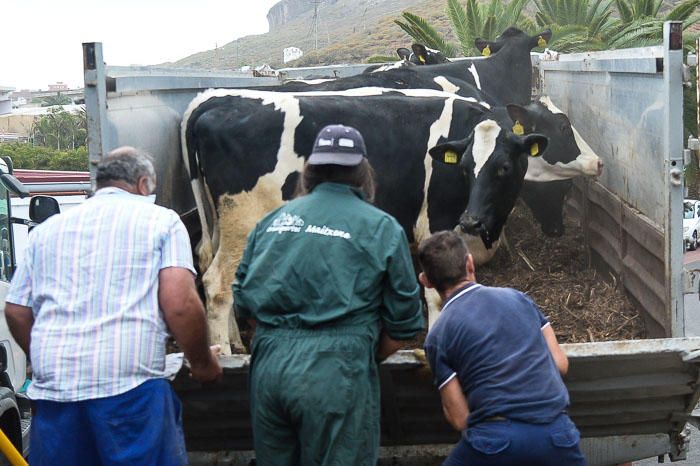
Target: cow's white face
column 485, row 137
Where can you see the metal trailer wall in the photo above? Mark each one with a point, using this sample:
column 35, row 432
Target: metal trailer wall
column 628, row 105
column 630, row 398
column 143, row 107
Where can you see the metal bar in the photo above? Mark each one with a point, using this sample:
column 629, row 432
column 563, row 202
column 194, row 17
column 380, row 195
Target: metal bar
column 673, row 156
column 95, row 103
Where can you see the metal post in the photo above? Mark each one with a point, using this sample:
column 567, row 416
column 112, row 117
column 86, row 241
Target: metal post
column 673, row 157
column 95, row 103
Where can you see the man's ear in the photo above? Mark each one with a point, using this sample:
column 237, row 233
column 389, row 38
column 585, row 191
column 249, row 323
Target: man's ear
column 471, row 270
column 143, row 186
column 423, row 279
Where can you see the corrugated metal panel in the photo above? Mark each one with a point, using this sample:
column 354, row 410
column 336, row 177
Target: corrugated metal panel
column 630, row 245
column 628, row 388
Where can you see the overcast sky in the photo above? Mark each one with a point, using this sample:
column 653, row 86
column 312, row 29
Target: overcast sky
column 41, row 39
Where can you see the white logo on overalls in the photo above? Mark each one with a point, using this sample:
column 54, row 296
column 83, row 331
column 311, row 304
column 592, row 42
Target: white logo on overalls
column 286, row 223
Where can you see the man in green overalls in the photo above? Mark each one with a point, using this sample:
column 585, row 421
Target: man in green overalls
column 328, row 281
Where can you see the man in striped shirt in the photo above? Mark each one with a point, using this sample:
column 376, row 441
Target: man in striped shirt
column 100, row 288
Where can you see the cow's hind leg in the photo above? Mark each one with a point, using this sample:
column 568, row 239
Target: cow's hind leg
column 217, row 288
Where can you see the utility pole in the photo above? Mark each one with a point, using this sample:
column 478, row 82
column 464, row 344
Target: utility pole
column 316, row 20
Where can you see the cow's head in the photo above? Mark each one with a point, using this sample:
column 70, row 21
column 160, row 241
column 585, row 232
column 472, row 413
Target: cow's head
column 513, row 37
column 569, row 155
column 423, row 55
column 493, row 159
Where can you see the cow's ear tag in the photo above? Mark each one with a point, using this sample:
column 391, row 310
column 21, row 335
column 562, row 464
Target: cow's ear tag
column 421, row 59
column 541, row 41
column 534, row 149
column 518, row 128
column 450, row 157
column 486, row 51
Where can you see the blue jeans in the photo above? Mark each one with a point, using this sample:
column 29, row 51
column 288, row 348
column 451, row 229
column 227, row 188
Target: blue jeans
column 140, row 427
column 513, row 443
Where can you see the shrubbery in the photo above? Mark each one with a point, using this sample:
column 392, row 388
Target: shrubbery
column 45, row 158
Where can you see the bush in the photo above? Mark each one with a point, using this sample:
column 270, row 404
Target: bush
column 45, row 158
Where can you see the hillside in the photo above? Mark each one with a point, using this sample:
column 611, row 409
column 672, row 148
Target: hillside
column 349, row 31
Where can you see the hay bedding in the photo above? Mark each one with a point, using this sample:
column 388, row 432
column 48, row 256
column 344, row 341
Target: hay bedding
column 581, row 305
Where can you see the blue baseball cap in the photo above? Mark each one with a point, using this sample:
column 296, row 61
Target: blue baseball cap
column 338, row 145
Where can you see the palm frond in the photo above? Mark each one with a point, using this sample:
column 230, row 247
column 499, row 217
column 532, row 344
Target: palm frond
column 421, row 31
column 624, row 10
column 683, row 10
column 460, row 25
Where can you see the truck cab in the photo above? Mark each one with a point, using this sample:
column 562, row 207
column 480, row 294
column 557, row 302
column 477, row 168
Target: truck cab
column 15, row 411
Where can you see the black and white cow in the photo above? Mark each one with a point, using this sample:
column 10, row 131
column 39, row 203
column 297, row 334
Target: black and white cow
column 569, row 155
column 244, row 150
column 419, row 54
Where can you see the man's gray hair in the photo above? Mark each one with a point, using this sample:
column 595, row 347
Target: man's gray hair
column 126, row 164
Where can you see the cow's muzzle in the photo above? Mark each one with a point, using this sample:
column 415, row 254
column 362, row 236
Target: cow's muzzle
column 474, row 226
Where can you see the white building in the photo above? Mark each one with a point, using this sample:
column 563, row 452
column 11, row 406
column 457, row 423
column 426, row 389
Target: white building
column 292, row 53
column 5, row 103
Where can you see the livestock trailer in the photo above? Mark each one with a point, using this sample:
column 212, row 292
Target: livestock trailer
column 631, row 399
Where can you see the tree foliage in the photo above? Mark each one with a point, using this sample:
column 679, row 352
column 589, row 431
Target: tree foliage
column 474, row 19
column 60, row 129
column 30, row 157
column 577, row 25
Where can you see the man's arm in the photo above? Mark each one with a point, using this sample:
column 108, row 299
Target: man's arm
column 454, row 404
column 184, row 313
column 401, row 311
column 20, row 320
column 560, row 359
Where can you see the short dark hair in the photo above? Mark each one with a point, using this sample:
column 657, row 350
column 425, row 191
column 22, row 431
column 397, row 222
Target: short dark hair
column 443, row 258
column 126, row 164
column 359, row 176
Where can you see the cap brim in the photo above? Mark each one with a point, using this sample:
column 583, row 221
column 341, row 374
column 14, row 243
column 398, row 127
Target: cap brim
column 335, row 158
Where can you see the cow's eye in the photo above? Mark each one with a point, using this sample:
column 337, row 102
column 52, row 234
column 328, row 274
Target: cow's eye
column 504, row 170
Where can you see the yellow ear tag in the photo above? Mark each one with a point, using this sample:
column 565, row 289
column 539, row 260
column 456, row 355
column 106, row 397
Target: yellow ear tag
column 486, row 51
column 421, row 59
column 518, row 128
column 534, row 149
column 541, row 42
column 450, row 157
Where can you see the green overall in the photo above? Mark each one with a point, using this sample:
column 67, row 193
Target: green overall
column 322, row 276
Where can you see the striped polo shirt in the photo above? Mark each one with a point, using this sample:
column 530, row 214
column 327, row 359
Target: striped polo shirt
column 90, row 276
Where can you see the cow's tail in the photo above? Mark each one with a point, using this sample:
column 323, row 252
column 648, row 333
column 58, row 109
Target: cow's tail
column 205, row 208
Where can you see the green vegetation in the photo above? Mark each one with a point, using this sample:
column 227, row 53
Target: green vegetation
column 475, row 19
column 45, row 158
column 58, row 143
column 60, row 129
column 52, row 100
column 577, row 25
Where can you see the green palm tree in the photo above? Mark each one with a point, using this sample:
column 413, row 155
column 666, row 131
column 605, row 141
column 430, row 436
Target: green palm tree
column 640, row 22
column 577, row 25
column 474, row 19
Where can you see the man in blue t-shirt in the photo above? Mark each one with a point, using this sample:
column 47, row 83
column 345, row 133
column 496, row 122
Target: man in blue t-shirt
column 498, row 366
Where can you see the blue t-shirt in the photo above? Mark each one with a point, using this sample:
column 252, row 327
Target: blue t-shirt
column 491, row 339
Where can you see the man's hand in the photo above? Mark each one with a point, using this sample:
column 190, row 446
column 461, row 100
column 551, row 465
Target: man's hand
column 184, row 313
column 208, row 371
